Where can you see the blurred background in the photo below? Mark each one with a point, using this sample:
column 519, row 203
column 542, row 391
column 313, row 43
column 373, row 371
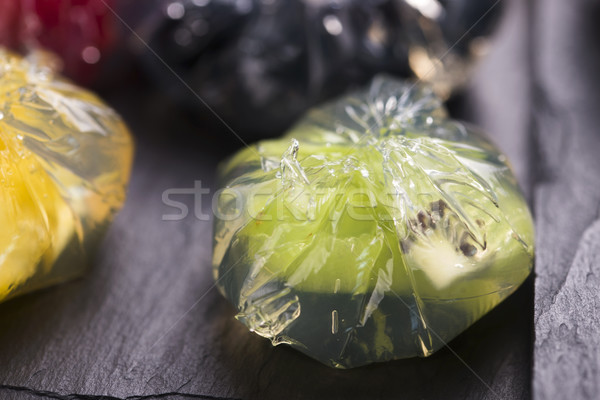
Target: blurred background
column 254, row 66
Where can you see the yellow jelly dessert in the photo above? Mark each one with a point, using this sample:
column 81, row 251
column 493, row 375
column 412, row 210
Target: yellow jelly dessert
column 65, row 159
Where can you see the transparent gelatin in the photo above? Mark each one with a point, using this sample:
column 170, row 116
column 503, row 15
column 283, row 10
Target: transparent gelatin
column 65, row 159
column 377, row 228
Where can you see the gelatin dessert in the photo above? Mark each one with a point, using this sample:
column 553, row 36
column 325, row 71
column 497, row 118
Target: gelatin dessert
column 65, row 160
column 261, row 64
column 377, row 228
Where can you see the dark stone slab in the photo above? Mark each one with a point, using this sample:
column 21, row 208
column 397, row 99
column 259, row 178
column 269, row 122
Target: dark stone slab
column 567, row 200
column 147, row 323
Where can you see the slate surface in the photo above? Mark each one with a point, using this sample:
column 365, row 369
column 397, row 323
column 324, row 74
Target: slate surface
column 146, row 321
column 567, row 200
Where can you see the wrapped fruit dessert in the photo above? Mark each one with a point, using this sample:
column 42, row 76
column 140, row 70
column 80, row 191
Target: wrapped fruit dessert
column 81, row 32
column 65, row 159
column 260, row 64
column 377, row 228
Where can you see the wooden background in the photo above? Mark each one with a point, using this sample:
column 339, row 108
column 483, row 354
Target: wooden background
column 146, row 322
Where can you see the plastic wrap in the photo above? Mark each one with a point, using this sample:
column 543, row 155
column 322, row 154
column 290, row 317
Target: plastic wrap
column 65, row 159
column 377, row 228
column 260, row 64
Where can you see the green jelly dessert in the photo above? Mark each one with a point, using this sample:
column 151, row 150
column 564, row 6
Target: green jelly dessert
column 376, row 229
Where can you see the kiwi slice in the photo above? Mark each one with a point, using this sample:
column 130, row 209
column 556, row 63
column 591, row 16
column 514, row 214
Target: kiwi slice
column 441, row 246
column 376, row 229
